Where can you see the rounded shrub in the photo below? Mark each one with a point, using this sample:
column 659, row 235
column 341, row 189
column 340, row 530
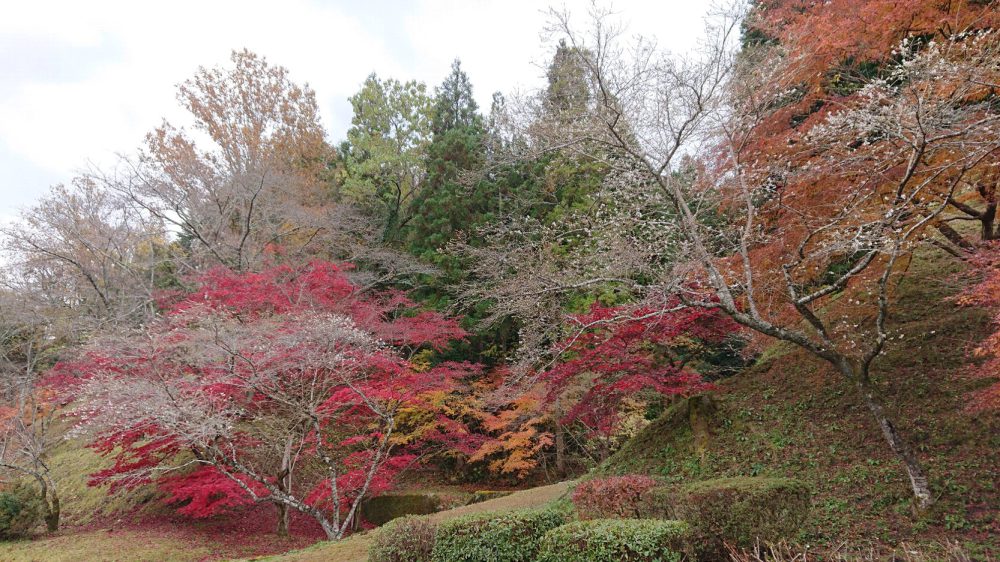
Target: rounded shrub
column 20, row 511
column 614, row 540
column 511, row 536
column 738, row 511
column 613, row 496
column 406, row 539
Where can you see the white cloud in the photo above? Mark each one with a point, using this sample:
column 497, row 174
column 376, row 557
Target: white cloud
column 85, row 80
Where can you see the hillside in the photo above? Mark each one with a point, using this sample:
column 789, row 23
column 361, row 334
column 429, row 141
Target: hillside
column 789, row 415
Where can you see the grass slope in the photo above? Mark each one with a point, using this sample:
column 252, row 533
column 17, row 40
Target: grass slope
column 72, row 463
column 106, row 545
column 790, row 415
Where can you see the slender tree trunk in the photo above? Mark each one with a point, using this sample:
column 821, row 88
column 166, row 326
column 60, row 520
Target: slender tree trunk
column 52, row 515
column 700, row 410
column 988, row 220
column 560, row 450
column 50, row 505
column 560, row 441
column 50, row 502
column 915, row 471
column 328, row 528
column 283, row 516
column 284, row 484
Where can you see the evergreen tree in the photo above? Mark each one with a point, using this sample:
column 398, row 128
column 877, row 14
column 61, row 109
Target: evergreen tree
column 454, row 106
column 449, row 204
column 384, row 156
column 568, row 93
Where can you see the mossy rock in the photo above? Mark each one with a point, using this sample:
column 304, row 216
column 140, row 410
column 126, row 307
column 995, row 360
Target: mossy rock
column 510, row 536
column 406, row 539
column 739, row 511
column 480, row 496
column 614, row 540
column 382, row 509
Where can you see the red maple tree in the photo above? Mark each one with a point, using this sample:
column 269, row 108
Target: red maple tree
column 629, row 349
column 986, row 293
column 282, row 386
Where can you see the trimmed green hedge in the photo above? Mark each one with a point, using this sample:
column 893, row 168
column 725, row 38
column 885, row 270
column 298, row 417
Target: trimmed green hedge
column 614, row 540
column 739, row 511
column 511, row 536
column 406, row 539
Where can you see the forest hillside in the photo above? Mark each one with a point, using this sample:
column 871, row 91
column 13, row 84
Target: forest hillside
column 738, row 304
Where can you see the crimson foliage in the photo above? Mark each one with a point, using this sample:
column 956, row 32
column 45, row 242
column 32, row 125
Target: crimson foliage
column 614, row 496
column 633, row 349
column 255, row 377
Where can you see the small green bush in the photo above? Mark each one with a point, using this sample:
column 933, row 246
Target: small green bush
column 737, row 511
column 511, row 536
column 20, row 511
column 405, row 539
column 614, row 540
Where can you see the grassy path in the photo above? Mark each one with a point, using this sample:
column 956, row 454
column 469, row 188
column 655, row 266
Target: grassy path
column 355, row 548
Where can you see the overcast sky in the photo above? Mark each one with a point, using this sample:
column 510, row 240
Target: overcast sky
column 82, row 81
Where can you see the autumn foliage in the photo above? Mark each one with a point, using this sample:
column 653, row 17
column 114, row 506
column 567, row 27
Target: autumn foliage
column 613, row 496
column 986, row 294
column 254, row 377
column 515, row 435
column 624, row 350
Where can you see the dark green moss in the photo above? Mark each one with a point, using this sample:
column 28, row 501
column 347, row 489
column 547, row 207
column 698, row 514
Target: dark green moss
column 382, row 509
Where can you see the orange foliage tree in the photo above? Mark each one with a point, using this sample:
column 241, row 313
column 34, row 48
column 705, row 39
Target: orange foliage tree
column 986, row 293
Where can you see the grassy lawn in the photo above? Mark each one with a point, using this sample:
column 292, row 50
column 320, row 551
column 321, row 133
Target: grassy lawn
column 105, row 545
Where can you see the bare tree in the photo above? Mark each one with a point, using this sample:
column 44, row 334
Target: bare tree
column 249, row 180
column 28, row 411
column 86, row 257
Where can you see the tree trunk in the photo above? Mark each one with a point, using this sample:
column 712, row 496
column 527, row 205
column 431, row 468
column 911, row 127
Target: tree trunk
column 560, row 451
column 700, row 411
column 283, row 516
column 50, row 502
column 988, row 219
column 52, row 512
column 915, row 471
column 328, row 528
column 285, row 486
column 560, row 440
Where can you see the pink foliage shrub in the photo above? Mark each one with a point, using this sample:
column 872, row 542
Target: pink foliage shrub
column 614, row 496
